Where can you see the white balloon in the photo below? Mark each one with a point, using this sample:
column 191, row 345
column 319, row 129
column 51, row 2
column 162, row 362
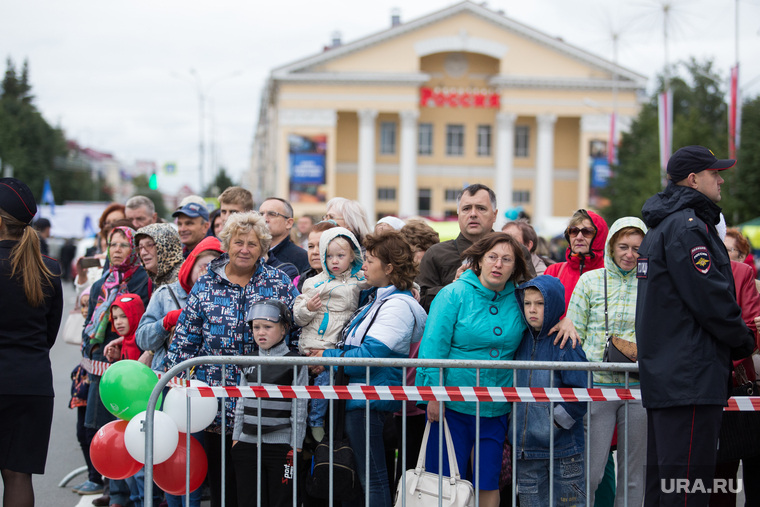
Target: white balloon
column 165, row 437
column 202, row 410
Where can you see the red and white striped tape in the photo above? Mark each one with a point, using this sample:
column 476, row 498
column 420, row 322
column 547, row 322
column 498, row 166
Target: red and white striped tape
column 416, row 393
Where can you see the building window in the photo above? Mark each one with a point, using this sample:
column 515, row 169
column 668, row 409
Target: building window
column 425, row 140
column 455, row 140
column 521, row 197
column 522, row 141
column 424, row 201
column 450, row 194
column 387, row 138
column 484, row 140
column 386, row 194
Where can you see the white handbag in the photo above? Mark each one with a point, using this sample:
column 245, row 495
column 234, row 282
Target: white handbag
column 422, row 486
column 72, row 329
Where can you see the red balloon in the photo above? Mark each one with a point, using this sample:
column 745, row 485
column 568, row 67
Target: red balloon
column 170, row 475
column 109, row 454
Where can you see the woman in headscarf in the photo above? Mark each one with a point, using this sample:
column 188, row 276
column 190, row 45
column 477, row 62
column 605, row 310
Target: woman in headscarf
column 160, row 251
column 123, row 275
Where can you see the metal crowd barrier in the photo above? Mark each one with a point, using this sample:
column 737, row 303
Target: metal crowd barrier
column 403, row 393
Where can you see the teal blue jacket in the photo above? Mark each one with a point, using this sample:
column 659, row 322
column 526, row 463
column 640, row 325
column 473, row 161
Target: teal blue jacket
column 469, row 322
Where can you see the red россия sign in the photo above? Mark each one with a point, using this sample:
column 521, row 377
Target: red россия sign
column 435, row 97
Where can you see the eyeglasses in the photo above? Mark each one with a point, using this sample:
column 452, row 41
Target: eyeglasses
column 493, row 259
column 274, row 214
column 125, row 246
column 330, row 216
column 146, row 246
column 732, row 250
column 587, row 233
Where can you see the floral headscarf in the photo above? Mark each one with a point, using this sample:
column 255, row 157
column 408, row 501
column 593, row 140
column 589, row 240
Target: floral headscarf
column 114, row 284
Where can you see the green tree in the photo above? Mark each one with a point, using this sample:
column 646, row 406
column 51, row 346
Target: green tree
column 745, row 178
column 699, row 117
column 27, row 142
column 217, row 186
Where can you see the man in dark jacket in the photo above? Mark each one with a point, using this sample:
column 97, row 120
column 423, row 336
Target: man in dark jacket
column 688, row 327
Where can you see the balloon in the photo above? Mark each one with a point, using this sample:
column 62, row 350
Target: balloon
column 109, row 454
column 165, row 437
column 202, row 410
column 170, row 475
column 125, row 388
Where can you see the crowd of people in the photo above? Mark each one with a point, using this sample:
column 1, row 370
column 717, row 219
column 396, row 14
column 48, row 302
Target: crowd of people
column 675, row 291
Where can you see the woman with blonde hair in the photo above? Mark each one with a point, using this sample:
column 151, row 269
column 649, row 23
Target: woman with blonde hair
column 205, row 327
column 30, row 285
column 348, row 214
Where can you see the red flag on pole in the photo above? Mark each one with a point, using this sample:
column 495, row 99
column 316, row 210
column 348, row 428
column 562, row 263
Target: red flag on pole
column 734, row 114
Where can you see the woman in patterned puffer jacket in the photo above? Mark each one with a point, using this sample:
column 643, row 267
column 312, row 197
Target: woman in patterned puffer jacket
column 213, row 322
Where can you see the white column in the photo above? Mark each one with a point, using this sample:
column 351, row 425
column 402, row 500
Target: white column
column 407, row 204
column 366, row 177
column 544, row 189
column 505, row 167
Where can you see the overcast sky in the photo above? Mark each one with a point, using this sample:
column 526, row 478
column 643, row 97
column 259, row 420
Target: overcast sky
column 115, row 75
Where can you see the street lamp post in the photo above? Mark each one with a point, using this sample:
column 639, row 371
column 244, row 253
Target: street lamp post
column 202, row 94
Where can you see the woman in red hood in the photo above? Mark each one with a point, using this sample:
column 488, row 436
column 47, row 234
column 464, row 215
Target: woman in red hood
column 585, row 234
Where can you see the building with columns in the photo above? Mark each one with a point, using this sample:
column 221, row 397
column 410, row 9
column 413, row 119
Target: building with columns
column 403, row 119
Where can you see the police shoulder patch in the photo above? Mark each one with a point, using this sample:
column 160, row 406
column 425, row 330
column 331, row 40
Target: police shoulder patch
column 700, row 257
column 642, row 267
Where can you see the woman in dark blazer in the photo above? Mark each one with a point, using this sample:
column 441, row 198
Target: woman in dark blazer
column 32, row 302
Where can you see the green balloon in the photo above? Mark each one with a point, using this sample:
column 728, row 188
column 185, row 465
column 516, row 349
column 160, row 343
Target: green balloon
column 125, row 388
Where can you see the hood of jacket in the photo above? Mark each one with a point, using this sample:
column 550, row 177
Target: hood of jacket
column 620, row 223
column 133, row 308
column 594, row 259
column 340, row 232
column 168, row 251
column 207, row 243
column 553, row 293
column 675, row 198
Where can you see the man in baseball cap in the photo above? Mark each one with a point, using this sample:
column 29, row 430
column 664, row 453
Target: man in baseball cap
column 192, row 225
column 688, row 327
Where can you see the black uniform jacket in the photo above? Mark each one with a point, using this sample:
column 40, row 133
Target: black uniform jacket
column 688, row 324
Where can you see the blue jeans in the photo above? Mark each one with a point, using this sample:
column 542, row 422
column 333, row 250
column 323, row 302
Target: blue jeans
column 379, row 489
column 318, row 408
column 179, row 501
column 136, row 485
column 569, row 482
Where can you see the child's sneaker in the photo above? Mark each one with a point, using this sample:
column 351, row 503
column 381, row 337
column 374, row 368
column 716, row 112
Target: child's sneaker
column 89, row 488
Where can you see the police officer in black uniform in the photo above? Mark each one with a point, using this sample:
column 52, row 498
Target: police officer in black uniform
column 688, row 328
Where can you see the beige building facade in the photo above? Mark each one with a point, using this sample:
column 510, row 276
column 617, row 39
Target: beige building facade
column 403, row 119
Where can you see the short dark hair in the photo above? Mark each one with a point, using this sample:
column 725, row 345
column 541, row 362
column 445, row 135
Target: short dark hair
column 474, row 189
column 528, row 232
column 475, row 254
column 41, row 224
column 391, row 248
column 288, row 206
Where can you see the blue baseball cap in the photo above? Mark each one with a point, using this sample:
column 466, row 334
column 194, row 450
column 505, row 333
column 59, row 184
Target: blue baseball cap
column 192, row 210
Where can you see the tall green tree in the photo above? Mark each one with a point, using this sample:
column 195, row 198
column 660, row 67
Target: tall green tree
column 745, row 178
column 27, row 142
column 699, row 117
column 221, row 181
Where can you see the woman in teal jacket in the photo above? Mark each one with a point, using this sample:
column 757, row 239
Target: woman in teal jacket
column 477, row 317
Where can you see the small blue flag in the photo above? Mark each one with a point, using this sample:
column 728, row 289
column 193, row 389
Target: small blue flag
column 47, row 196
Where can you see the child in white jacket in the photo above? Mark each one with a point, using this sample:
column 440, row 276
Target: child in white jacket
column 327, row 303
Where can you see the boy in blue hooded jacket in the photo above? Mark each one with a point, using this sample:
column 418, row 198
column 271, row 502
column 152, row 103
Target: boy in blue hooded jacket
column 543, row 302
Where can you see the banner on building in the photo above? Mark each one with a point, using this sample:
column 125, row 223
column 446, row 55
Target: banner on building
column 308, row 168
column 599, row 168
